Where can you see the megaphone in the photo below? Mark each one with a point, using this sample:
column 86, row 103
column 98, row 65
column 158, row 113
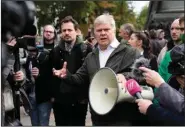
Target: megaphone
column 105, row 91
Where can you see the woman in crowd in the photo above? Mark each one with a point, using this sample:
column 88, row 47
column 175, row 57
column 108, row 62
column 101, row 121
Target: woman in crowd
column 140, row 40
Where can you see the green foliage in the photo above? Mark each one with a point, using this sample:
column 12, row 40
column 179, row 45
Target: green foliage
column 121, row 10
column 48, row 11
column 124, row 13
column 141, row 19
column 86, row 11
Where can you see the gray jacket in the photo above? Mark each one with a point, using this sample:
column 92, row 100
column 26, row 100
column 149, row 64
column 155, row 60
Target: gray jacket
column 120, row 61
column 170, row 98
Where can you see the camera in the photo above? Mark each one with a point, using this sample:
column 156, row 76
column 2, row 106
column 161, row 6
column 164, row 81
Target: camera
column 28, row 39
column 17, row 17
column 176, row 66
column 17, row 20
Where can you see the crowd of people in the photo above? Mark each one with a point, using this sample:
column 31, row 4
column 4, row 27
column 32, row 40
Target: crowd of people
column 60, row 77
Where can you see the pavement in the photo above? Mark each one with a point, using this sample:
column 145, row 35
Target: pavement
column 25, row 119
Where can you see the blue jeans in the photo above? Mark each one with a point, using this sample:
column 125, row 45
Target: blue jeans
column 40, row 113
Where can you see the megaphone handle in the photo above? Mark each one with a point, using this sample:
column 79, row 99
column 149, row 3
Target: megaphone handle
column 138, row 95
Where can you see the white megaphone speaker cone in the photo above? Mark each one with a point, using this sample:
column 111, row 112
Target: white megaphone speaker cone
column 105, row 91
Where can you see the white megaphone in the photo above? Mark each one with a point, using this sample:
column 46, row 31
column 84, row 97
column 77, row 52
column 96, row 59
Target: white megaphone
column 105, row 91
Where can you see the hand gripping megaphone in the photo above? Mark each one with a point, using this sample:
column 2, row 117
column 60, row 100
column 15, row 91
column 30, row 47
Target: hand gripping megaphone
column 105, row 91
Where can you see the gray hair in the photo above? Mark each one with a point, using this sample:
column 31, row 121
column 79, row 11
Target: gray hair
column 128, row 27
column 106, row 19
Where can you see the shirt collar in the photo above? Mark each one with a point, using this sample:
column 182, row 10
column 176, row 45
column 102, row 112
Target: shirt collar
column 114, row 44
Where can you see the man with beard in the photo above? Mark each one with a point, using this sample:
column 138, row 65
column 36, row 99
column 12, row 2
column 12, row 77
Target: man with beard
column 38, row 74
column 70, row 103
column 49, row 39
column 175, row 31
column 164, row 56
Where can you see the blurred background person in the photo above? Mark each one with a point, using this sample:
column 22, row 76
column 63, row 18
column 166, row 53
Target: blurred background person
column 49, row 37
column 181, row 23
column 164, row 56
column 161, row 39
column 141, row 41
column 125, row 32
column 90, row 39
column 155, row 45
column 38, row 70
column 79, row 35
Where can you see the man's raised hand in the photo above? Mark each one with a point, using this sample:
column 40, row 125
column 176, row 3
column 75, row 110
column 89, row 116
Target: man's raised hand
column 62, row 72
column 152, row 77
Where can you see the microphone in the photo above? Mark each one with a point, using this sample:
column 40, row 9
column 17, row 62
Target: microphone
column 136, row 73
column 134, row 89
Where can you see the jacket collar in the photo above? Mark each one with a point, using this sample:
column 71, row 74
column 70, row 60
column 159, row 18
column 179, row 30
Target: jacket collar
column 62, row 44
column 95, row 52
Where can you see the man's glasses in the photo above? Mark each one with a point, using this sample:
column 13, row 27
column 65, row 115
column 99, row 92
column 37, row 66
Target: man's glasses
column 51, row 32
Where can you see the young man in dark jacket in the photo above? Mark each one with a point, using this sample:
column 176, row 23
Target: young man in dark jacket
column 70, row 102
column 109, row 53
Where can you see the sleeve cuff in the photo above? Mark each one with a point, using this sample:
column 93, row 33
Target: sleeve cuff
column 151, row 111
column 162, row 86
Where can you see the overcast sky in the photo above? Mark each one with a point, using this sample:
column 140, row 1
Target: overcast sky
column 138, row 5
